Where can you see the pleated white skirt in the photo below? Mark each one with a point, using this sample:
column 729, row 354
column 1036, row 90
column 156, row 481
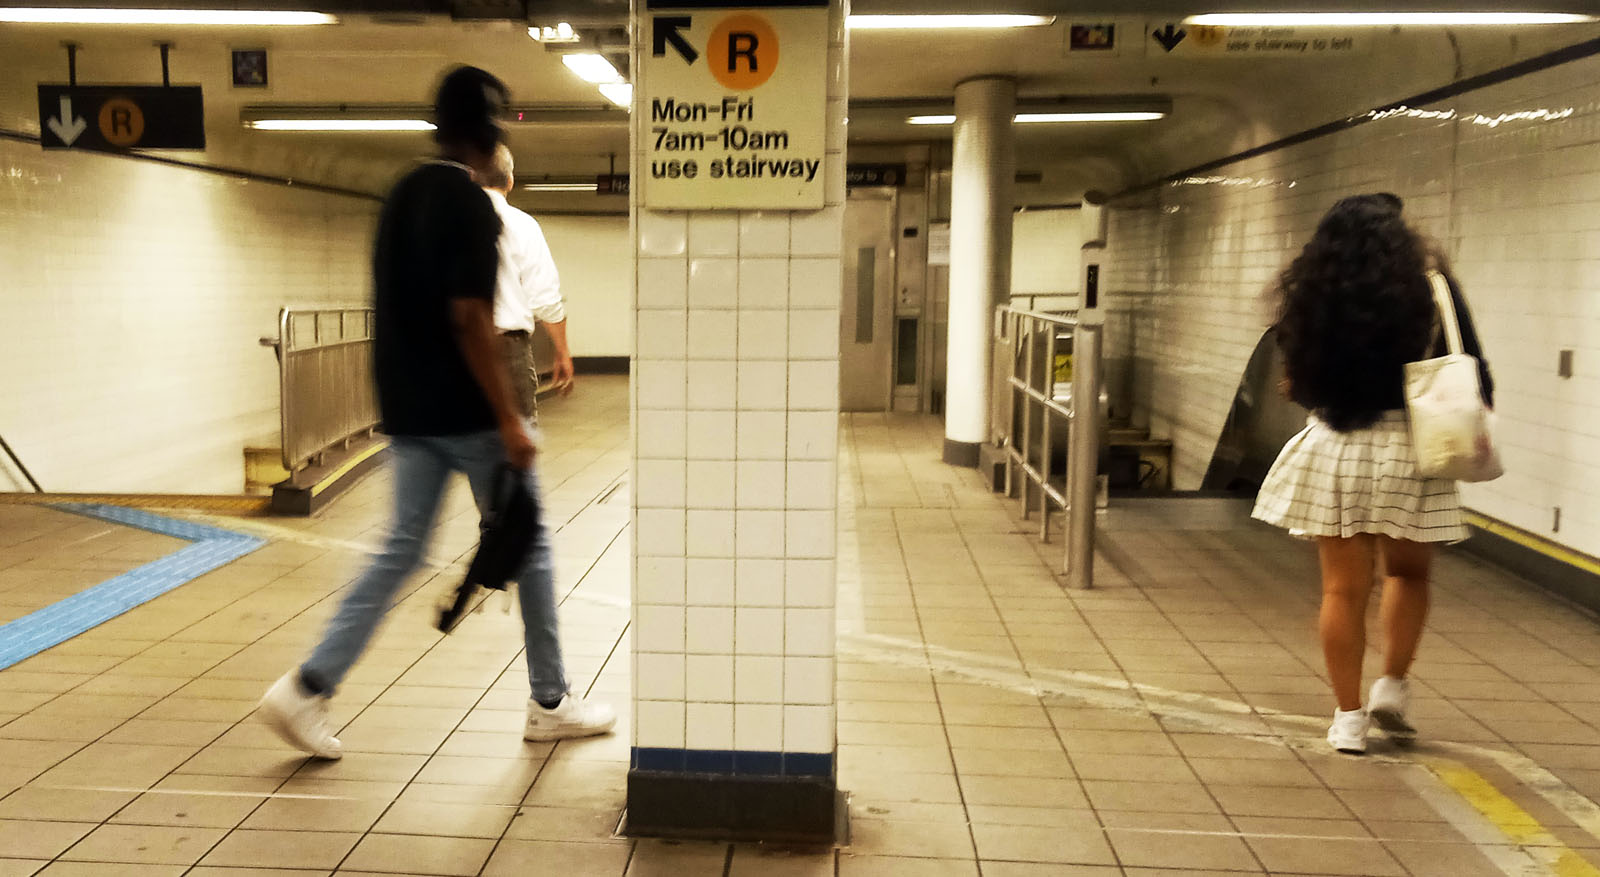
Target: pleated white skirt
column 1330, row 483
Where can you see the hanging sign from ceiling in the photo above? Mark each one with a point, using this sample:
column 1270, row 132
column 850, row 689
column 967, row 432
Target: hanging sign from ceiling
column 1205, row 41
column 734, row 105
column 117, row 117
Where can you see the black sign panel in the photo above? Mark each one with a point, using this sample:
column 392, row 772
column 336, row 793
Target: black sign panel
column 874, row 174
column 611, row 184
column 1091, row 287
column 114, row 118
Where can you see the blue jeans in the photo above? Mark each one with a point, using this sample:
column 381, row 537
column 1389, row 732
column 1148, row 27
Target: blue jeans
column 421, row 466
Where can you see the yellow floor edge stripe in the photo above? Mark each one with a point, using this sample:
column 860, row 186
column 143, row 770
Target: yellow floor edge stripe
column 237, row 505
column 1514, row 822
column 345, row 468
column 1535, row 543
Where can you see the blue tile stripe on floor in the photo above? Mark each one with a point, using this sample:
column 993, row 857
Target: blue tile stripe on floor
column 212, row 548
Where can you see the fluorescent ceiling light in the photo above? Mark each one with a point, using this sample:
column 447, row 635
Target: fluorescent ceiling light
column 224, row 17
column 340, row 125
column 560, row 187
column 1027, row 118
column 593, row 68
column 1380, row 19
column 619, row 93
column 933, row 22
column 561, row 33
column 1033, row 118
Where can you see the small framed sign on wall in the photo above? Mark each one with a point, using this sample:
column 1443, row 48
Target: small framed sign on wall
column 249, row 68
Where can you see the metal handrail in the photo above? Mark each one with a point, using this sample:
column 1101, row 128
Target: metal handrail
column 325, row 381
column 1029, row 390
column 17, row 461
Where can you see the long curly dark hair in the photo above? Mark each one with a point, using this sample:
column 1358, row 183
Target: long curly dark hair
column 1354, row 308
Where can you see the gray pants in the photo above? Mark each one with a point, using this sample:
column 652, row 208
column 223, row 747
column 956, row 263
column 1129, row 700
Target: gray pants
column 516, row 349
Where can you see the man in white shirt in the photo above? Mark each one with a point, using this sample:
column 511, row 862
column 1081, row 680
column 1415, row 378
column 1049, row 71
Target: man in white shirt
column 528, row 290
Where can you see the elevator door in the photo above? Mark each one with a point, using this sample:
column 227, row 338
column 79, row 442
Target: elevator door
column 866, row 320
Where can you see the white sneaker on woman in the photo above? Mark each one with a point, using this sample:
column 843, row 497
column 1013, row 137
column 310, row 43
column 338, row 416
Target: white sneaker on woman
column 1387, row 706
column 301, row 719
column 572, row 717
column 1348, row 733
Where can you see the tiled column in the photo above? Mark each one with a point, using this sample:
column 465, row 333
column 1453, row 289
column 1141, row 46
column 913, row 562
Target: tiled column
column 735, row 412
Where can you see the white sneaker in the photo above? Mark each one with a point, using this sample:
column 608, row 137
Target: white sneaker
column 1348, row 733
column 1387, row 705
column 300, row 719
column 573, row 717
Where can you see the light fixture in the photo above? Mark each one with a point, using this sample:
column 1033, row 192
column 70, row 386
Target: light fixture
column 593, row 68
column 1380, row 19
column 561, row 33
column 560, row 187
column 219, row 17
column 1036, row 118
column 1029, row 118
column 942, row 22
column 341, row 125
column 619, row 93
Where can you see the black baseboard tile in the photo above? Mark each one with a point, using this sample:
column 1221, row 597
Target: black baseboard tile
column 964, row 454
column 718, row 806
column 600, row 365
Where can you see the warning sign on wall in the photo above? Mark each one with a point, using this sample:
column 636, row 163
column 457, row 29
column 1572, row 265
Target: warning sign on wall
column 734, row 104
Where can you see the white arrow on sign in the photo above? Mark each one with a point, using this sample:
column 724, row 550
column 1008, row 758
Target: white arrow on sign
column 65, row 125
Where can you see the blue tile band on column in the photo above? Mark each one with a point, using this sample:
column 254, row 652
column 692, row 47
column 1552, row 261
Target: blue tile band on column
column 55, row 624
column 733, row 762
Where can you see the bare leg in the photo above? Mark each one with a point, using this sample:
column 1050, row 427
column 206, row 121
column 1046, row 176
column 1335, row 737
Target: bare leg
column 1346, row 586
column 1405, row 601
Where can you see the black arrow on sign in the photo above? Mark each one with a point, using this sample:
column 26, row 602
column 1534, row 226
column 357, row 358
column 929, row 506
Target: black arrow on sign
column 1169, row 38
column 664, row 30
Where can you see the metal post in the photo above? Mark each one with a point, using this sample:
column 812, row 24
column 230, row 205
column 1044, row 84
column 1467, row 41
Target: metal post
column 1083, row 447
column 1027, row 414
column 1048, row 386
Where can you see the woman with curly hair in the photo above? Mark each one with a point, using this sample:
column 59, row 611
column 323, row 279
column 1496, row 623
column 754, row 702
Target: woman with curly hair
column 1354, row 307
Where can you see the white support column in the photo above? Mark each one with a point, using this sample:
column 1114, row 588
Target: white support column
column 736, row 414
column 984, row 167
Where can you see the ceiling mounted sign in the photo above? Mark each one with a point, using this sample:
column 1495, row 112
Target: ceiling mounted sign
column 733, row 108
column 117, row 117
column 1205, row 41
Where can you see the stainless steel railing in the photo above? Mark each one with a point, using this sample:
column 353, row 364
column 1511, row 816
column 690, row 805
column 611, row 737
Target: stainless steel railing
column 325, row 382
column 1033, row 412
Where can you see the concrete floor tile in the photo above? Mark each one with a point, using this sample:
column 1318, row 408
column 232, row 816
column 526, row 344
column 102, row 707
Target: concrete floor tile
column 34, row 839
column 145, row 844
column 1153, row 850
column 1366, row 858
column 282, row 849
column 854, row 865
column 756, row 861
column 881, row 837
column 443, row 855
column 1082, row 844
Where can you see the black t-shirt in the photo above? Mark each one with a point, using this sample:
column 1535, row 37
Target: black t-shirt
column 437, row 239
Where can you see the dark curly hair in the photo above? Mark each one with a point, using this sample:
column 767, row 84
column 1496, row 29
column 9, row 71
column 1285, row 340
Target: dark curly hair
column 1354, row 307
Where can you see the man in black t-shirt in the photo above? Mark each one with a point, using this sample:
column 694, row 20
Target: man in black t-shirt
column 447, row 404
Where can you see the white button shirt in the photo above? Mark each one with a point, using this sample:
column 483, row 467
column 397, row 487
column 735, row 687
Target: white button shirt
column 527, row 288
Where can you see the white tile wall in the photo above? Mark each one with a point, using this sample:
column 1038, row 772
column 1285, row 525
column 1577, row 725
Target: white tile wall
column 1517, row 207
column 131, row 298
column 747, row 556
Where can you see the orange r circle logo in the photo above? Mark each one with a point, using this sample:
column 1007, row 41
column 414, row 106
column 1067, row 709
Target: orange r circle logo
column 121, row 122
column 743, row 52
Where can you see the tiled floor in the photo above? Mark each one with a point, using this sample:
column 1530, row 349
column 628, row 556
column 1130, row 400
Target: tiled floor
column 48, row 555
column 990, row 723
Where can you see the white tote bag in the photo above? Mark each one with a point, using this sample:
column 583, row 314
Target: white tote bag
column 1450, row 426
